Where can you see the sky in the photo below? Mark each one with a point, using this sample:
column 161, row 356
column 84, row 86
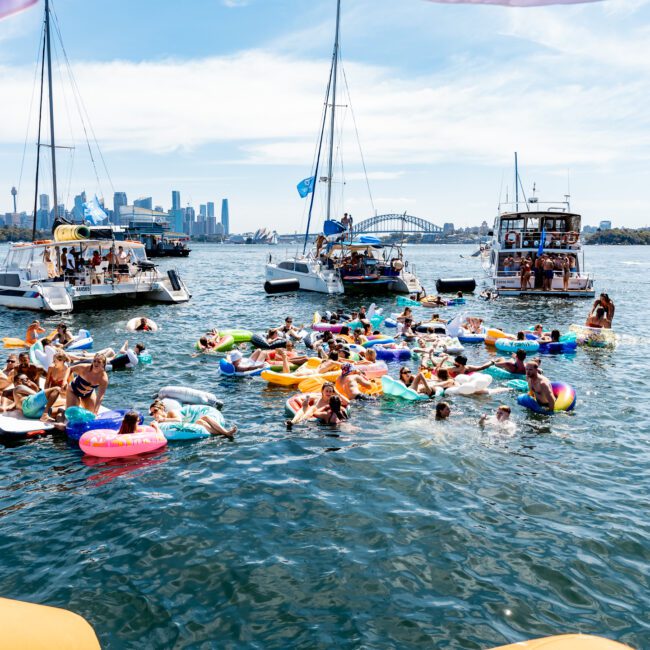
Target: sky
column 224, row 98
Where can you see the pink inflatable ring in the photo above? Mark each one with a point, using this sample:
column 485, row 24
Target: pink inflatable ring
column 107, row 443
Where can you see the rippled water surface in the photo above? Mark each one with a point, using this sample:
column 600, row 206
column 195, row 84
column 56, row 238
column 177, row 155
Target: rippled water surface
column 397, row 532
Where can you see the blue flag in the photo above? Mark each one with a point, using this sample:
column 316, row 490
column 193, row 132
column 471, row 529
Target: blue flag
column 306, row 186
column 542, row 241
column 93, row 212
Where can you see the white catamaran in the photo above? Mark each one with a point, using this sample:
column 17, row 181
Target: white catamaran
column 77, row 266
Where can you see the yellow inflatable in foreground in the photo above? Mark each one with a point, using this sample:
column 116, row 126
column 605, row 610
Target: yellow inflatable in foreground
column 567, row 642
column 25, row 626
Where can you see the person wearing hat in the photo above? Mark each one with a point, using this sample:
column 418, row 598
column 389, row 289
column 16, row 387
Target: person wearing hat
column 244, row 365
column 350, row 382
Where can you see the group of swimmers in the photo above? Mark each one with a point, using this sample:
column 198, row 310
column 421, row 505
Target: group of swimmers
column 61, row 378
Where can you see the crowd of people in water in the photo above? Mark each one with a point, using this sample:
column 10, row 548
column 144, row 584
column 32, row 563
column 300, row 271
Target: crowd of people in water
column 56, row 378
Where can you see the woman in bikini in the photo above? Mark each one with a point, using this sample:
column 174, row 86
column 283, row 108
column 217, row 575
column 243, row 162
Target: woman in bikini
column 88, row 387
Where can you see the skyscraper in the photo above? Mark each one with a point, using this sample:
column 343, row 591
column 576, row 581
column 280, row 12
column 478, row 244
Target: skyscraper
column 225, row 217
column 78, row 209
column 43, row 214
column 210, row 209
column 176, row 200
column 119, row 199
column 203, row 210
column 144, row 202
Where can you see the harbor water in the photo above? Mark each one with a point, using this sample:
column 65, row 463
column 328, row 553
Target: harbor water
column 394, row 531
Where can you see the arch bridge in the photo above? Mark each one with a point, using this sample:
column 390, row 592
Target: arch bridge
column 396, row 223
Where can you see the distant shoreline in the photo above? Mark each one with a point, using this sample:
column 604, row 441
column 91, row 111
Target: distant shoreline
column 620, row 237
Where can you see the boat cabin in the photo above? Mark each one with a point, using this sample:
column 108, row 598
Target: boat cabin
column 523, row 230
column 78, row 262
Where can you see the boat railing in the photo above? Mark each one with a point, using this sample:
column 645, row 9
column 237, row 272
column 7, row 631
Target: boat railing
column 530, row 239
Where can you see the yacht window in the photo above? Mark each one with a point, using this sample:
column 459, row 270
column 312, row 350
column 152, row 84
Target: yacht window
column 302, row 268
column 287, row 266
column 511, row 224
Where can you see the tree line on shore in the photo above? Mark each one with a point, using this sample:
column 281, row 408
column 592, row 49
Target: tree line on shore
column 620, row 237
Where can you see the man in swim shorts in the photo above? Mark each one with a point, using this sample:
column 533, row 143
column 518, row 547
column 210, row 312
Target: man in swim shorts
column 34, row 403
column 350, row 381
column 540, row 386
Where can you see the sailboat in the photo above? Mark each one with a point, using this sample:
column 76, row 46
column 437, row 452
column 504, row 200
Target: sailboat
column 80, row 264
column 342, row 262
column 313, row 271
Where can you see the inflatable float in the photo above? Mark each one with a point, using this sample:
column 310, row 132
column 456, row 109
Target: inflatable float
column 394, row 388
column 386, row 353
column 83, row 341
column 565, row 399
column 80, row 421
column 473, row 384
column 227, row 369
column 593, row 337
column 291, row 379
column 108, row 443
column 187, row 395
column 512, row 345
column 239, row 336
column 40, row 627
column 183, row 431
column 566, row 642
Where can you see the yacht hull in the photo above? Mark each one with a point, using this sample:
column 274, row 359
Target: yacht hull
column 326, row 282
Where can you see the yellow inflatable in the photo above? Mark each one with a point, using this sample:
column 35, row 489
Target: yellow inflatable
column 37, row 627
column 567, row 642
column 291, row 378
column 10, row 342
column 70, row 232
column 492, row 334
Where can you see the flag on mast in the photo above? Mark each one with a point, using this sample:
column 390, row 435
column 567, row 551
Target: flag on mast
column 8, row 7
column 306, row 186
column 515, row 3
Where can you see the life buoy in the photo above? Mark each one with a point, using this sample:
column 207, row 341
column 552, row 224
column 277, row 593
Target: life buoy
column 398, row 265
column 570, row 238
column 512, row 237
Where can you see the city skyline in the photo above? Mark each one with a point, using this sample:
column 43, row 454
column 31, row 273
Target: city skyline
column 438, row 107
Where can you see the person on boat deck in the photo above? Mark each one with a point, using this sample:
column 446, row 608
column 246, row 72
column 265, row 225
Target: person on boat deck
column 122, row 263
column 507, row 265
column 350, row 382
column 33, row 331
column 49, row 263
column 127, row 358
column 516, row 364
column 460, row 366
column 94, row 263
column 70, row 261
column 212, row 421
column 565, row 267
column 88, row 387
column 607, row 304
column 346, row 222
column 599, row 319
column 524, row 275
column 35, row 403
column 549, row 271
column 540, row 386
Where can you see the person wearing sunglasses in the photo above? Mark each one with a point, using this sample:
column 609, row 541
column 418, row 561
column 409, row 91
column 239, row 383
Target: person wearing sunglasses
column 460, row 366
column 288, row 330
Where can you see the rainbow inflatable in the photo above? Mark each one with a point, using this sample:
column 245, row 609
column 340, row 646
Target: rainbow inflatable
column 565, row 399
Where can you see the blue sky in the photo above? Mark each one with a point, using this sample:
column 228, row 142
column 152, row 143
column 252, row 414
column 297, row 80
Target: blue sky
column 220, row 98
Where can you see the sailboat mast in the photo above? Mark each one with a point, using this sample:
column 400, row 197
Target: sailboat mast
column 335, row 62
column 51, row 97
column 516, row 184
column 38, row 139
